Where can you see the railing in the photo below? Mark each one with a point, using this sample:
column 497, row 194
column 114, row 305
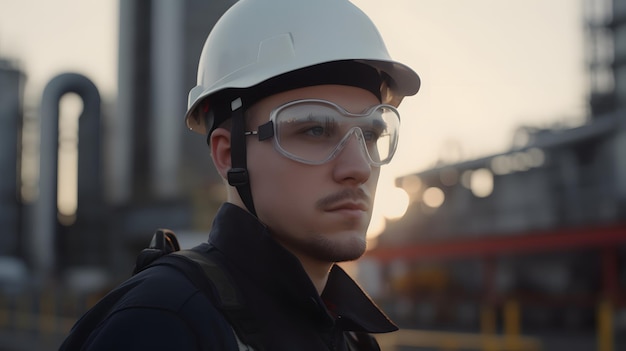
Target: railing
column 449, row 341
column 39, row 320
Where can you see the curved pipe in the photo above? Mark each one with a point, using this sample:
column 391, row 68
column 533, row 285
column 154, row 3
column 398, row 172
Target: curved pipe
column 45, row 210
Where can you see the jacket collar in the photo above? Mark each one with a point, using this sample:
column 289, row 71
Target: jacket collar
column 247, row 244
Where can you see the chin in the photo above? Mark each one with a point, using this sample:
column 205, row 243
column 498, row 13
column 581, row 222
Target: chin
column 326, row 245
column 340, row 248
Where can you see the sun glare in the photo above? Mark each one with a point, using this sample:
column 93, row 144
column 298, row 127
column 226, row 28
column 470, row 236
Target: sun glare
column 434, row 197
column 482, row 182
column 395, row 204
column 391, row 204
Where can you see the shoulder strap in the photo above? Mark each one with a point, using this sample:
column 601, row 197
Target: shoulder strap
column 209, row 277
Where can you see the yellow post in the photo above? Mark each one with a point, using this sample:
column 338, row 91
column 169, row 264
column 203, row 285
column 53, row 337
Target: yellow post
column 46, row 314
column 450, row 344
column 488, row 326
column 23, row 317
column 70, row 310
column 4, row 312
column 605, row 326
column 512, row 317
column 488, row 320
column 512, row 324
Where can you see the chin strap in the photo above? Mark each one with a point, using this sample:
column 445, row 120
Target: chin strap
column 238, row 174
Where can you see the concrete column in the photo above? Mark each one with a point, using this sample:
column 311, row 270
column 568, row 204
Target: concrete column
column 167, row 96
column 120, row 141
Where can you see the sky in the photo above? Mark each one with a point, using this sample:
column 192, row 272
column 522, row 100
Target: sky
column 487, row 66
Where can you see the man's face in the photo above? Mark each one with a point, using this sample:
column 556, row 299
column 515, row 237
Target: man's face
column 320, row 212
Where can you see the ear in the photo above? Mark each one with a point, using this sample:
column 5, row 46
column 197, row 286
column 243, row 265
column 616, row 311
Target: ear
column 220, row 150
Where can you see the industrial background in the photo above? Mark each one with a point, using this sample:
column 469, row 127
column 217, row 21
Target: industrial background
column 523, row 250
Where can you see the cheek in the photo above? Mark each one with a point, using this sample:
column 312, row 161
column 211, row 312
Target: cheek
column 277, row 182
column 285, row 192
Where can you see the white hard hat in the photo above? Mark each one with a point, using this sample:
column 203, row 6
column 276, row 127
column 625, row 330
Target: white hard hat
column 256, row 40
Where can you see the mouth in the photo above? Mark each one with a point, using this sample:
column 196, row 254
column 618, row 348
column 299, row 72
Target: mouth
column 354, row 202
column 349, row 206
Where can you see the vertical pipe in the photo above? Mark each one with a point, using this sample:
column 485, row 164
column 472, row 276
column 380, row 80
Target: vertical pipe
column 619, row 74
column 42, row 238
column 45, row 220
column 610, row 274
column 167, row 96
column 619, row 145
column 121, row 146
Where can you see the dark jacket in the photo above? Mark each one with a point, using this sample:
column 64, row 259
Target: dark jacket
column 160, row 309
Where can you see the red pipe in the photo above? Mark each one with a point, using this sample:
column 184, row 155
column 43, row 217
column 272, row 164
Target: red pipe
column 554, row 240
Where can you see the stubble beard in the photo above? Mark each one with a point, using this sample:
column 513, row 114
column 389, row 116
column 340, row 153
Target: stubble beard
column 324, row 249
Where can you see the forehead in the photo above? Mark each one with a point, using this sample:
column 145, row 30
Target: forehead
column 352, row 99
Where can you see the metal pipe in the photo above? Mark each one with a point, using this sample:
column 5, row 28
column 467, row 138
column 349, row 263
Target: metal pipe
column 45, row 209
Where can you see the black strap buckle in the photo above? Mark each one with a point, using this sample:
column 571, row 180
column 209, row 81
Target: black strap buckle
column 238, row 176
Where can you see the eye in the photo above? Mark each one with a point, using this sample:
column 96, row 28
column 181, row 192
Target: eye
column 371, row 135
column 315, row 131
column 318, row 126
column 374, row 131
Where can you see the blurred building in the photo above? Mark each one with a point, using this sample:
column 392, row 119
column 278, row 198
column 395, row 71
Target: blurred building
column 158, row 174
column 543, row 225
column 138, row 168
column 161, row 174
column 131, row 171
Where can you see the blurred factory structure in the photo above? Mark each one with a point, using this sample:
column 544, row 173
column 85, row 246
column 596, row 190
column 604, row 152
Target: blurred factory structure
column 135, row 171
column 533, row 239
column 81, row 193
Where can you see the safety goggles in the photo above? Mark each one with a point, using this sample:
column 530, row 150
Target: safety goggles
column 315, row 131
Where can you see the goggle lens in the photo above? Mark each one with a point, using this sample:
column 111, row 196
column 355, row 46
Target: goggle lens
column 315, row 131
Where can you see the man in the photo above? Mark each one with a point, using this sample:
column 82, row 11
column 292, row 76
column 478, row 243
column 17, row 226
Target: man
column 297, row 99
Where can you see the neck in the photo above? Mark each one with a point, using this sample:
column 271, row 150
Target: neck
column 317, row 271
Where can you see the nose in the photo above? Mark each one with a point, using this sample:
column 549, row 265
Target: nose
column 352, row 163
